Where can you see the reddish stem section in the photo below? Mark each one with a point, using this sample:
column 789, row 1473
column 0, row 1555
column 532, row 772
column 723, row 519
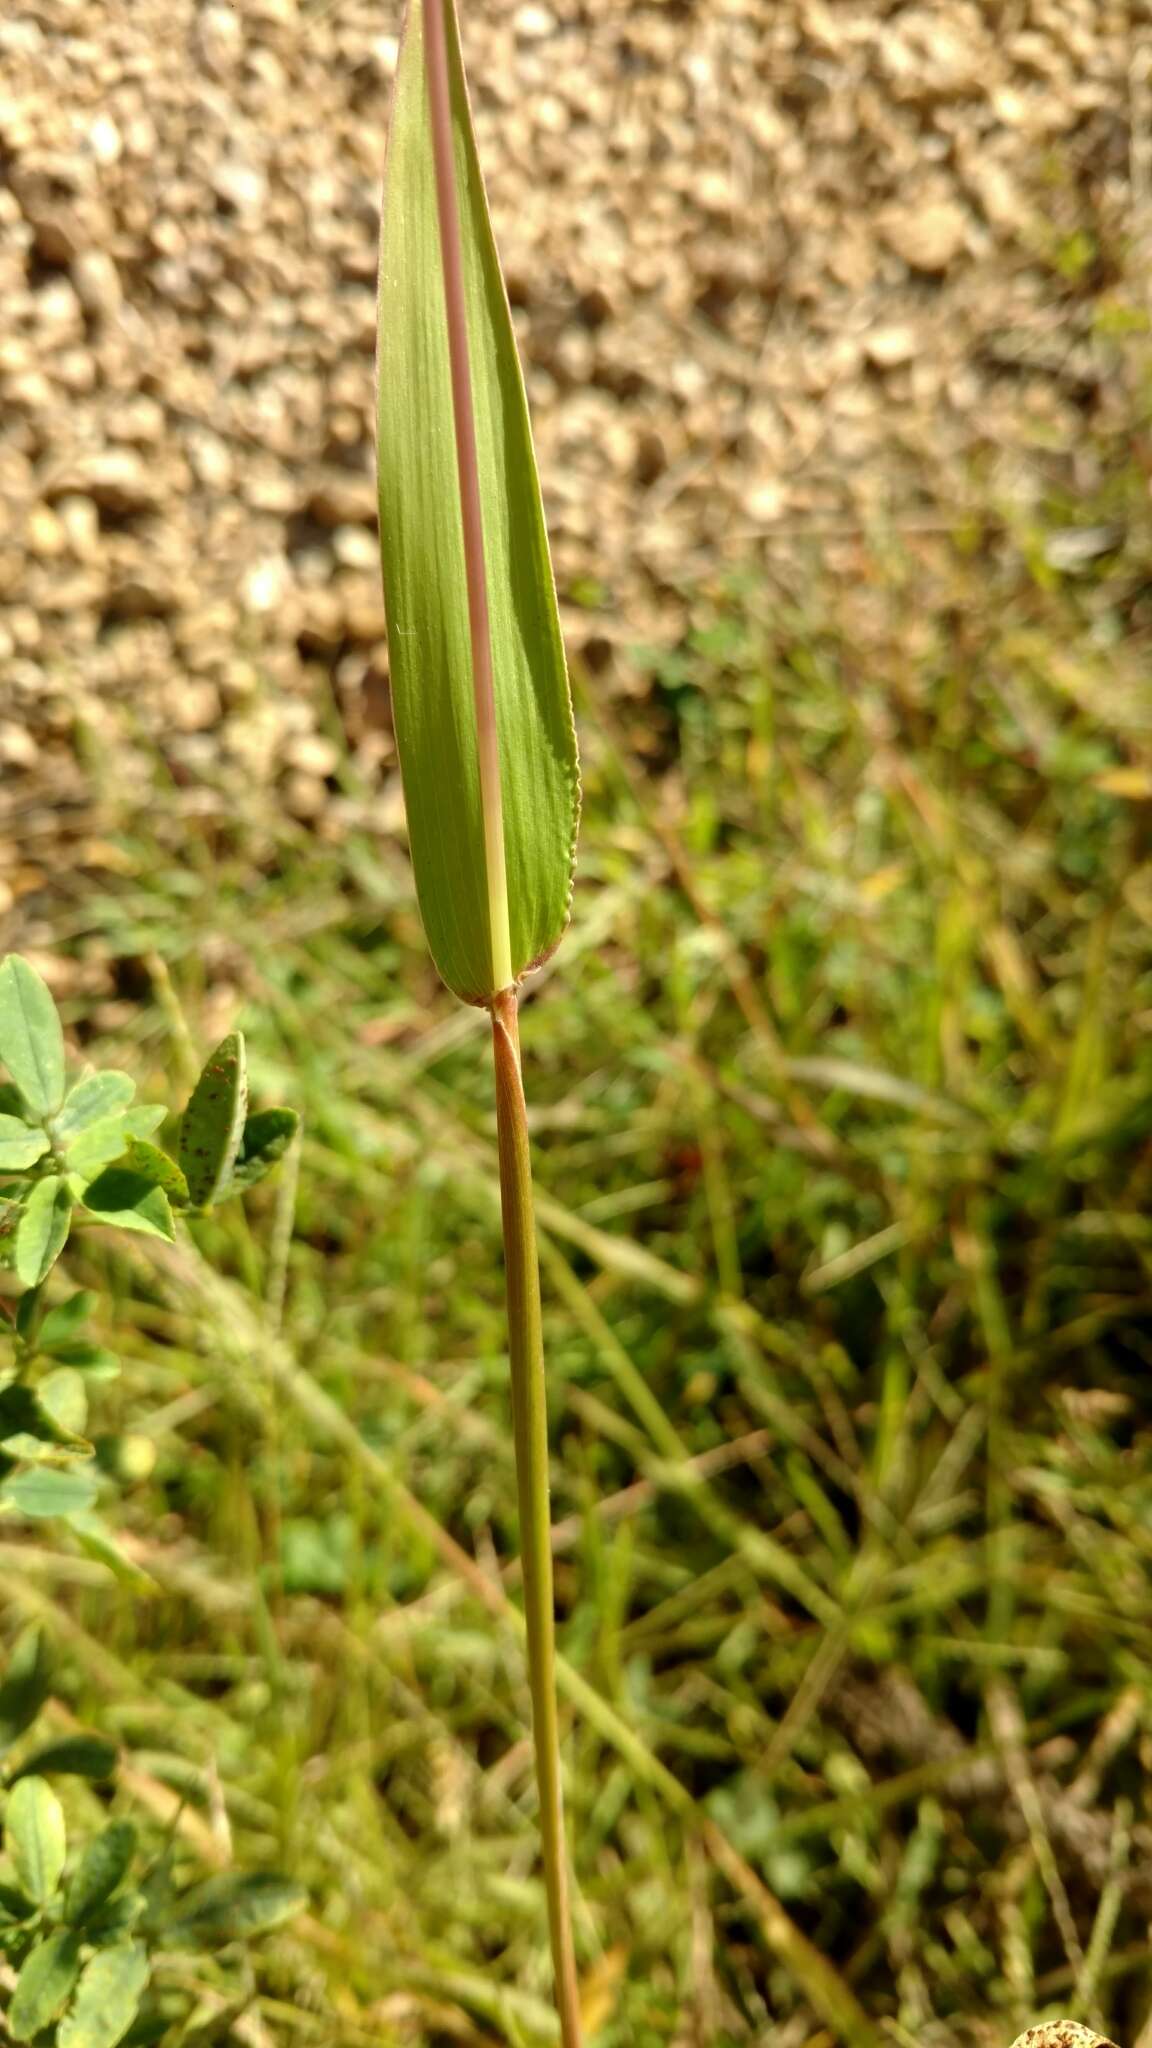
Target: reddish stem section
column 530, row 1428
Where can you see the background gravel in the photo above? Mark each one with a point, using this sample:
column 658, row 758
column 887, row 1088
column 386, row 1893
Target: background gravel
column 784, row 274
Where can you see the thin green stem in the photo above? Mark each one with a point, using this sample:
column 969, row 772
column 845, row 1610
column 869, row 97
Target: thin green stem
column 530, row 1425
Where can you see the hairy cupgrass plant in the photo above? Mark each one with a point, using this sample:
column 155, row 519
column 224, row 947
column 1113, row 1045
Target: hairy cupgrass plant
column 483, row 718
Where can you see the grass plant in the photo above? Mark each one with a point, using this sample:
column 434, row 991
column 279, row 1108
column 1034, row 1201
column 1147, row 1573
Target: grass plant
column 484, row 724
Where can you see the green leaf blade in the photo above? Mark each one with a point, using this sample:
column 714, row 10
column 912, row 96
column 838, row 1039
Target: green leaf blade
column 145, row 1118
column 34, row 1837
column 121, row 1196
column 63, row 1398
column 107, row 1999
column 155, row 1167
column 20, row 1145
column 234, row 1907
column 25, row 1686
column 44, row 1984
column 423, row 560
column 75, row 1756
column 43, row 1230
column 41, row 1494
column 267, row 1136
column 33, row 1423
column 103, row 1866
column 98, row 1144
column 93, row 1359
column 212, row 1127
column 31, row 1040
column 91, row 1100
column 61, row 1323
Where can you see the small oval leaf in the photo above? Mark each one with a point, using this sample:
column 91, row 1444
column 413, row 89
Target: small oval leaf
column 91, row 1359
column 29, row 1424
column 232, row 1907
column 107, row 1998
column 44, row 1983
column 25, row 1686
column 89, row 1101
column 43, row 1230
column 120, row 1196
column 267, row 1136
column 97, row 1145
column 64, row 1399
column 34, row 1837
column 20, row 1144
column 44, row 1493
column 104, row 1865
column 61, row 1323
column 75, row 1756
column 31, row 1041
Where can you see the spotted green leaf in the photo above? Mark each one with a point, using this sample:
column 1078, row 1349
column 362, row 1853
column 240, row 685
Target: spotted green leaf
column 212, row 1128
column 154, row 1166
column 477, row 947
column 31, row 1041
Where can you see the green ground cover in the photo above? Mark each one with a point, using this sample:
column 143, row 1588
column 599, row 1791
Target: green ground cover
column 843, row 1126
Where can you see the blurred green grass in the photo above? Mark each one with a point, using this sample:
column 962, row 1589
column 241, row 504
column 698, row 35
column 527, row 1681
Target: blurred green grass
column 842, row 1101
